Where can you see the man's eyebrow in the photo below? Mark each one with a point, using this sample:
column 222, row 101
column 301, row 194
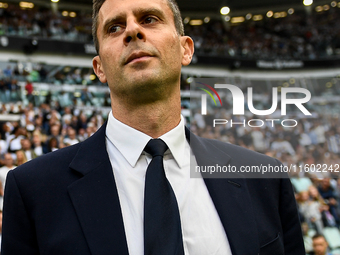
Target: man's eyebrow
column 119, row 18
column 151, row 10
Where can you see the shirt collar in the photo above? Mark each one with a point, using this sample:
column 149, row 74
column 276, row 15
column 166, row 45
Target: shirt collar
column 130, row 142
column 176, row 139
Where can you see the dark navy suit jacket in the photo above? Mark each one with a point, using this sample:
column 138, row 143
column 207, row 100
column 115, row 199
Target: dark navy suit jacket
column 66, row 203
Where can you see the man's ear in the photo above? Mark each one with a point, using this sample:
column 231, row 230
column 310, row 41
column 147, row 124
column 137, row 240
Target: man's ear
column 188, row 49
column 98, row 69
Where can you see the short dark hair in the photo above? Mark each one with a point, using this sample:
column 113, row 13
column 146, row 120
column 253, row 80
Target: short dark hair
column 318, row 235
column 97, row 4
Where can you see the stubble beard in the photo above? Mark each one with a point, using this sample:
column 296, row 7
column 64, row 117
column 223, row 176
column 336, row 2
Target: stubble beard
column 147, row 88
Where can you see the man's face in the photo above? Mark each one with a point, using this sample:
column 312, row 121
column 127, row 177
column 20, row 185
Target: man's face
column 55, row 130
column 320, row 246
column 72, row 133
column 140, row 52
column 25, row 144
column 8, row 160
column 325, row 183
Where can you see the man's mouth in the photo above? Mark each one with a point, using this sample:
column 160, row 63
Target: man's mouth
column 138, row 56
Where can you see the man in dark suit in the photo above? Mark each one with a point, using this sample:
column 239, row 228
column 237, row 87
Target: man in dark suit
column 88, row 198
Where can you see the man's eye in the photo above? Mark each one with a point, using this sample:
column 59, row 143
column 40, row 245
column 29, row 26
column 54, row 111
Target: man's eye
column 150, row 20
column 114, row 29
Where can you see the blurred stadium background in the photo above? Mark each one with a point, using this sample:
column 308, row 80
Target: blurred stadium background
column 50, row 97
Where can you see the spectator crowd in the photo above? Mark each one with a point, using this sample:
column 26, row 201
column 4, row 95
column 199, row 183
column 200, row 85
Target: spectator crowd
column 300, row 35
column 9, row 88
column 44, row 22
column 311, row 150
column 40, row 130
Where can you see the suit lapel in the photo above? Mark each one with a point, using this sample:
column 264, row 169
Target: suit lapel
column 230, row 196
column 95, row 198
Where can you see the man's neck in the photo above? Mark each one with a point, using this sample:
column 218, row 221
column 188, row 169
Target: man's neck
column 153, row 119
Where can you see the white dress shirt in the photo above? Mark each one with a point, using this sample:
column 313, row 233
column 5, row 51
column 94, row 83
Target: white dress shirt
column 203, row 232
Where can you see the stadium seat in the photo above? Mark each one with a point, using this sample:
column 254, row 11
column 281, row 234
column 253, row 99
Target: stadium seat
column 332, row 236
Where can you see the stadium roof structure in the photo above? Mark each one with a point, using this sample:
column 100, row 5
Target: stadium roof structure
column 214, row 6
column 234, row 5
column 204, row 7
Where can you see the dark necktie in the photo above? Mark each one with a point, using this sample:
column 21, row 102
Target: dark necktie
column 162, row 225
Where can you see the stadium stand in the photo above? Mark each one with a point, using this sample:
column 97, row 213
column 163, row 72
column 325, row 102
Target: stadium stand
column 295, row 36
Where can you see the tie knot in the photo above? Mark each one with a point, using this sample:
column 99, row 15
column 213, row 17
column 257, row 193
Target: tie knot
column 156, row 147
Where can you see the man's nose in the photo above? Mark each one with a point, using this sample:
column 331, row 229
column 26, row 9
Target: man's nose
column 133, row 31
